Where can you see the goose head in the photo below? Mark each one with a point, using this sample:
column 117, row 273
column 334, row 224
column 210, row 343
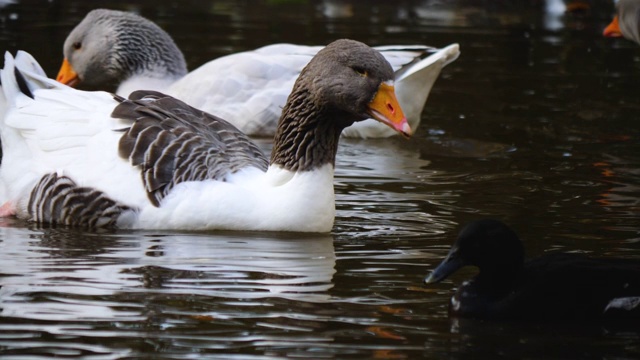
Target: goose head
column 104, row 50
column 347, row 81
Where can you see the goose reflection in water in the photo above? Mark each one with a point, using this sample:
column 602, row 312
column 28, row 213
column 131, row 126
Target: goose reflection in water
column 62, row 275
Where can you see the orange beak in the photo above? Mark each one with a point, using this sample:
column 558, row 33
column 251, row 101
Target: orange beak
column 613, row 29
column 385, row 108
column 67, row 75
column 577, row 6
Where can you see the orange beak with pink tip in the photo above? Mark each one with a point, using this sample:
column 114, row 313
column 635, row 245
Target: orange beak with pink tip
column 385, row 108
column 67, row 75
column 613, row 29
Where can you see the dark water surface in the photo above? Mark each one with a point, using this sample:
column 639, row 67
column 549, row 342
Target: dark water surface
column 537, row 123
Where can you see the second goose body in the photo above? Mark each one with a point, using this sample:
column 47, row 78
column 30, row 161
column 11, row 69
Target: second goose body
column 112, row 49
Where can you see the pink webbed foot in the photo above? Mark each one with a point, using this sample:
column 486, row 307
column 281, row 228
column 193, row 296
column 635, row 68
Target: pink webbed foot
column 7, row 209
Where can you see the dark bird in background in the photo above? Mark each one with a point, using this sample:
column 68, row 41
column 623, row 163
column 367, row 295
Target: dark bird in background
column 552, row 287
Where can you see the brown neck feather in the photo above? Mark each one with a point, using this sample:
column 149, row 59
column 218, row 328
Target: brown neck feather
column 307, row 135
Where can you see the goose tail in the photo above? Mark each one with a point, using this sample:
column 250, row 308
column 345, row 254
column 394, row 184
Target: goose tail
column 414, row 82
column 21, row 76
column 442, row 57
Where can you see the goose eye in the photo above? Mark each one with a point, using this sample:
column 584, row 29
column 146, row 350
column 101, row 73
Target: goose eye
column 361, row 71
column 77, row 45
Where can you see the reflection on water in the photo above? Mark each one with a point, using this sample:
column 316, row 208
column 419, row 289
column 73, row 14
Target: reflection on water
column 536, row 123
column 53, row 264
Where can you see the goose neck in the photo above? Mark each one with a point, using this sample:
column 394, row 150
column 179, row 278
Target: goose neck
column 307, row 134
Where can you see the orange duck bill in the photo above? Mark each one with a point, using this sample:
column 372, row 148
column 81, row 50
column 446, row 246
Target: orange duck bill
column 67, row 75
column 385, row 108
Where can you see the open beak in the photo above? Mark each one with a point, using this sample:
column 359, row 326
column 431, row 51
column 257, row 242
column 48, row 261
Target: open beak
column 613, row 29
column 385, row 108
column 67, row 75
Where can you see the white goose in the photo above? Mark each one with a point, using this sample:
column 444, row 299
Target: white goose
column 86, row 159
column 248, row 89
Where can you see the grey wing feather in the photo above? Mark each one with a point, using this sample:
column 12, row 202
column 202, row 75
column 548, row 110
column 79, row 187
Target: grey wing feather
column 173, row 142
column 57, row 200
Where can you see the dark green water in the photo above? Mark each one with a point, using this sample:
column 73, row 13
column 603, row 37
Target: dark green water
column 536, row 123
